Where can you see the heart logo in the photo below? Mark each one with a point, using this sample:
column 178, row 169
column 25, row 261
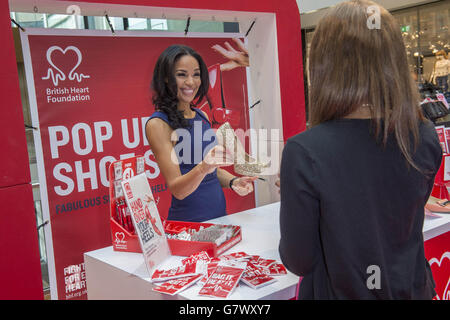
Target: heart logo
column 120, row 236
column 212, row 77
column 60, row 75
column 445, row 294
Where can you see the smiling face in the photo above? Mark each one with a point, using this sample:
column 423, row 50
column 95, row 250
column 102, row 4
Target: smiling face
column 187, row 76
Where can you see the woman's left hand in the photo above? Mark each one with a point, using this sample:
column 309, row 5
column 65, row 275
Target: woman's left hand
column 243, row 185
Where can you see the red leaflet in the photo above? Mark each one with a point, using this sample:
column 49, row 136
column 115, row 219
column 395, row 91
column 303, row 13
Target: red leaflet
column 211, row 267
column 224, row 279
column 202, row 256
column 265, row 262
column 182, row 271
column 254, row 259
column 177, row 285
column 275, row 269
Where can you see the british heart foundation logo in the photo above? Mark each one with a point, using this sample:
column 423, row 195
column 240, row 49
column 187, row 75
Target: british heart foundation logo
column 57, row 72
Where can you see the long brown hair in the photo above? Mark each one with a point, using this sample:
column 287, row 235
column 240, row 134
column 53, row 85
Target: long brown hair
column 355, row 63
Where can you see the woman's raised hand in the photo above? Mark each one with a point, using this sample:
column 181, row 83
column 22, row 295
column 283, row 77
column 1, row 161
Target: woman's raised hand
column 236, row 58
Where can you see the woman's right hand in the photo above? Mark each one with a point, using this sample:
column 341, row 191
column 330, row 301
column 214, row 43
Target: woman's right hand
column 216, row 157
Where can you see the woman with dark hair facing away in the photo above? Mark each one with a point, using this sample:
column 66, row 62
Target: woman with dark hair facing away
column 354, row 185
column 183, row 143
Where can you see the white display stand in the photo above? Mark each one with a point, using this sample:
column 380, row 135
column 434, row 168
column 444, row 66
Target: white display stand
column 435, row 226
column 122, row 275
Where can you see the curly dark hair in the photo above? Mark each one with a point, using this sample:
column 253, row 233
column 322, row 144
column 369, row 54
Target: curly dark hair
column 164, row 85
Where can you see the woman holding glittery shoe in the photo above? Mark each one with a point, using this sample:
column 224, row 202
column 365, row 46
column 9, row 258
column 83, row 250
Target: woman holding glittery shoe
column 194, row 178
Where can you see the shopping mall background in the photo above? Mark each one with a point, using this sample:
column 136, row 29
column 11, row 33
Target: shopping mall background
column 424, row 25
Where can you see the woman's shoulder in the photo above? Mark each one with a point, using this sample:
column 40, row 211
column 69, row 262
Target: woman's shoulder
column 428, row 133
column 306, row 141
column 158, row 120
column 427, row 124
column 427, row 129
column 158, row 131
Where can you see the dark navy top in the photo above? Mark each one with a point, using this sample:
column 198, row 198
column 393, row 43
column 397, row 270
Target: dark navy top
column 352, row 212
column 208, row 200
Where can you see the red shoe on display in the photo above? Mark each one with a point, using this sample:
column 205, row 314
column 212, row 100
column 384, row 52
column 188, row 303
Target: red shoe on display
column 215, row 107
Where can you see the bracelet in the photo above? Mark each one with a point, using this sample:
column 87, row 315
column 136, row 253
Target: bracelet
column 231, row 182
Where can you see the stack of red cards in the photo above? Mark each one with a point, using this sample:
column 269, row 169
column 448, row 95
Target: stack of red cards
column 218, row 277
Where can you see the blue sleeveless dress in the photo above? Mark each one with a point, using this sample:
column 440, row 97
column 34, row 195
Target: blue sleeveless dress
column 208, row 200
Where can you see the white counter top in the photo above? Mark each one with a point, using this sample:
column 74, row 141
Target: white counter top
column 122, row 275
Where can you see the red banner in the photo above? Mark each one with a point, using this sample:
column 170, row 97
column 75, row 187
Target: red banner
column 92, row 100
column 439, row 260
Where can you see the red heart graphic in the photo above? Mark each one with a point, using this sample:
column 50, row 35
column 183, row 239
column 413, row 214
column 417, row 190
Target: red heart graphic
column 64, row 60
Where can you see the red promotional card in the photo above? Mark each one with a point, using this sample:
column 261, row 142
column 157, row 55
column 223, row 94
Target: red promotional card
column 201, row 256
column 224, row 279
column 175, row 286
column 254, row 259
column 255, row 277
column 240, row 256
column 186, row 270
column 264, row 262
column 447, row 138
column 275, row 269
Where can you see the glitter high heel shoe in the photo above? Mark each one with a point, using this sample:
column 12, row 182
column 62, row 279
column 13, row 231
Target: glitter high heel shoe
column 244, row 164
